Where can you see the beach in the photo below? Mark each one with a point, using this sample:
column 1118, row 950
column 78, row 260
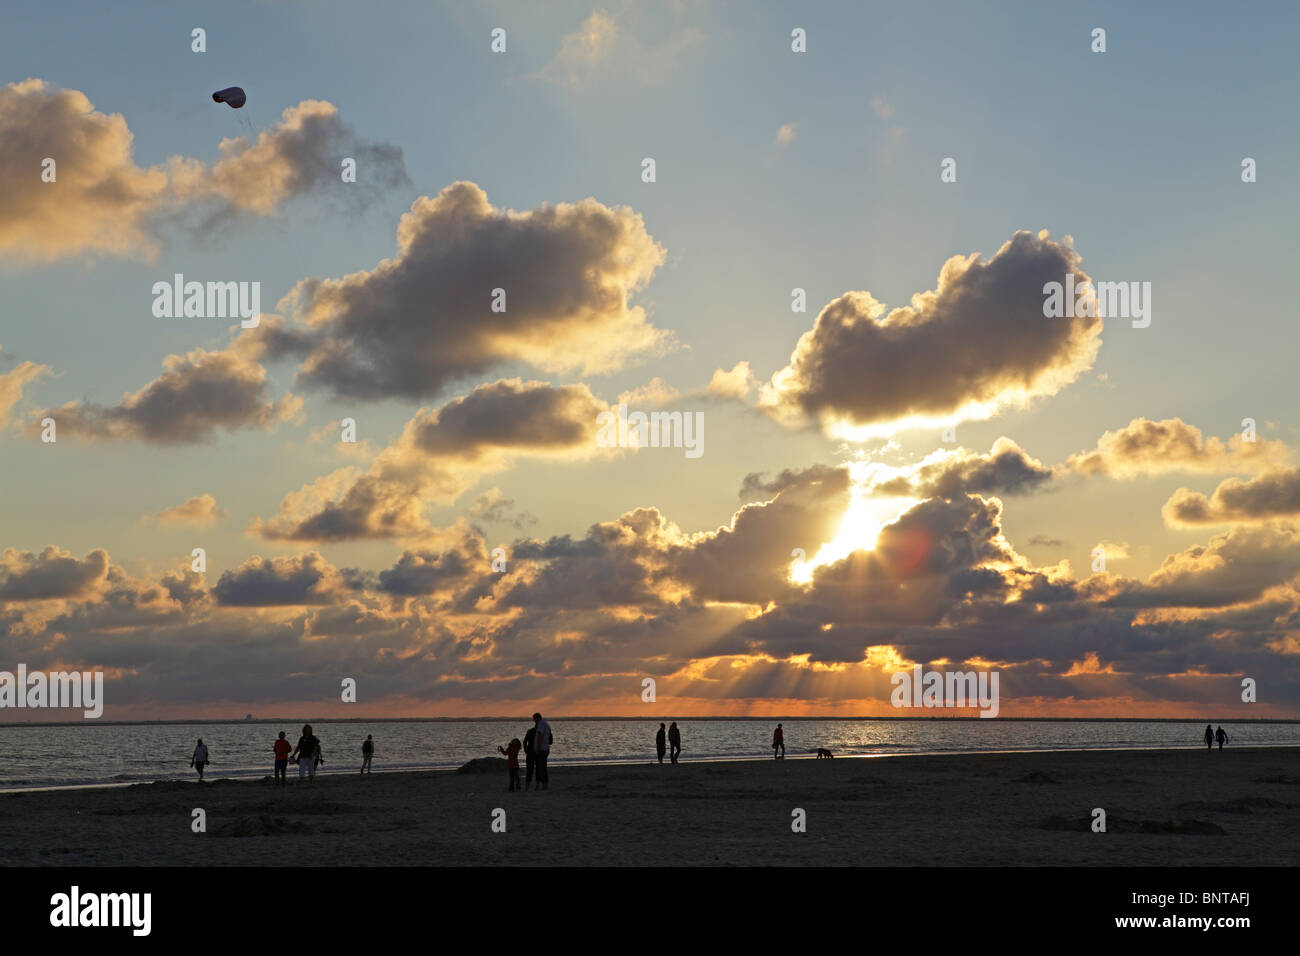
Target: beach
column 1238, row 807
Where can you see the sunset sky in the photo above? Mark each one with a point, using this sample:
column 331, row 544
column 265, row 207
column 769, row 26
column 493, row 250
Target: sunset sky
column 823, row 430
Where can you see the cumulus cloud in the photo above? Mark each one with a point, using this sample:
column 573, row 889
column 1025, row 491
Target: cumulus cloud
column 1273, row 494
column 785, row 135
column 12, row 384
column 494, row 507
column 1007, row 469
column 200, row 511
column 102, row 202
column 653, row 394
column 1145, row 447
column 197, row 393
column 261, row 582
column 599, row 52
column 420, row 321
column 736, row 383
column 54, row 573
column 440, row 454
column 976, row 343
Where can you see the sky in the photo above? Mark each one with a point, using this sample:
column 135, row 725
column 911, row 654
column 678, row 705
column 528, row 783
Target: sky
column 836, row 268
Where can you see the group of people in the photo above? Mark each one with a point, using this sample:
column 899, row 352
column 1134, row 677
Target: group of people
column 1211, row 736
column 307, row 754
column 536, row 747
column 674, row 739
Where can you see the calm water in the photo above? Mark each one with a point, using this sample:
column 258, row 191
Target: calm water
column 34, row 756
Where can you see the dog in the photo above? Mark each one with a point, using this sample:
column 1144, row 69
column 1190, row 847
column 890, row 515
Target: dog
column 822, row 752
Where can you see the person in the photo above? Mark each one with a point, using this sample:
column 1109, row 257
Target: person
column 778, row 740
column 512, row 761
column 1209, row 737
column 200, row 758
column 530, row 757
column 367, row 753
column 542, row 750
column 661, row 744
column 307, row 753
column 674, row 742
column 1221, row 736
column 282, row 749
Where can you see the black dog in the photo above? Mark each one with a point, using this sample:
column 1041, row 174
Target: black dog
column 824, row 753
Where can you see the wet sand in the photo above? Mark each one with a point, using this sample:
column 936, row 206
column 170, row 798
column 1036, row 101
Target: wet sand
column 1240, row 807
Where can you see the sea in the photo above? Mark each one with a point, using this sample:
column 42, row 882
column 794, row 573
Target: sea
column 105, row 754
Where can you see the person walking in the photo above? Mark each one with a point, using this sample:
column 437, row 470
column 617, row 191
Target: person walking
column 200, row 758
column 367, row 753
column 1209, row 737
column 778, row 740
column 661, row 743
column 542, row 751
column 674, row 742
column 1221, row 736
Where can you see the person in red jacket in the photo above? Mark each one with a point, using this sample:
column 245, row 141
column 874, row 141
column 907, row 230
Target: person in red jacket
column 778, row 740
column 282, row 749
column 512, row 761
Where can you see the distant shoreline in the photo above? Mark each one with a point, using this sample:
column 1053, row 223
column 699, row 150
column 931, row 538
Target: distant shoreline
column 1218, row 719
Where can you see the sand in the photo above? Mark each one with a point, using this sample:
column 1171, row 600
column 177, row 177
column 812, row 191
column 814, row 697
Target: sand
column 1240, row 807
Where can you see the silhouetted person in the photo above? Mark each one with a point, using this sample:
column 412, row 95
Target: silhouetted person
column 674, row 742
column 200, row 758
column 308, row 754
column 661, row 743
column 1209, row 737
column 778, row 741
column 282, row 749
column 512, row 761
column 367, row 753
column 1221, row 736
column 530, row 757
column 542, row 750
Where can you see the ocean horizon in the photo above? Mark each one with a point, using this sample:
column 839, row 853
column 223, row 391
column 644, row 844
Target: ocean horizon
column 43, row 755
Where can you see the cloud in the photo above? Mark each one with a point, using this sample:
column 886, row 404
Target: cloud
column 1007, row 469
column 785, row 135
column 735, row 384
column 977, row 343
column 260, row 582
column 54, row 573
column 1144, row 447
column 423, row 320
column 880, row 106
column 599, row 52
column 101, row 202
column 12, row 384
column 653, row 394
column 200, row 511
column 440, row 454
column 492, row 506
column 1273, row 494
column 197, row 393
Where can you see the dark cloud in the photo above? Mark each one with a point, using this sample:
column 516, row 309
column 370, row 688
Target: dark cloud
column 977, row 342
column 1274, row 494
column 1007, row 469
column 423, row 320
column 197, row 393
column 1145, row 447
column 54, row 573
column 261, row 582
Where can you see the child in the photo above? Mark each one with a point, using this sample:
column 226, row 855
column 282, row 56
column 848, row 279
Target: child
column 512, row 761
column 282, row 749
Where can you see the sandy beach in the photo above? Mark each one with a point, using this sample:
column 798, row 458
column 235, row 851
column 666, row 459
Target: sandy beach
column 1240, row 807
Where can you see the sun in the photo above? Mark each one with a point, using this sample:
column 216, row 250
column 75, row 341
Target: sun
column 859, row 530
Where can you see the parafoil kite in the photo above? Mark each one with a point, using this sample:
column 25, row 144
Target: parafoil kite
column 232, row 96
